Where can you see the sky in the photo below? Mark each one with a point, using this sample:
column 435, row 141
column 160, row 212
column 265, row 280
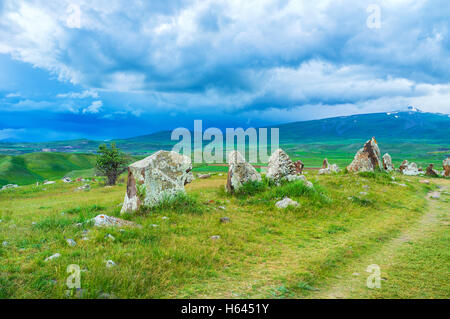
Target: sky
column 106, row 69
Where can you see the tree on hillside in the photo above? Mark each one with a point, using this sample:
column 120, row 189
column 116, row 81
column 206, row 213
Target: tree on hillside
column 111, row 162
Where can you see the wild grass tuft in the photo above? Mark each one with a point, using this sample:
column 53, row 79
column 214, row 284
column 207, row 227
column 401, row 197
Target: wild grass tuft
column 180, row 203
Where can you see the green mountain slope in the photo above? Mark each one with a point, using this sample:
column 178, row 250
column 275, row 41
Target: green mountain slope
column 33, row 167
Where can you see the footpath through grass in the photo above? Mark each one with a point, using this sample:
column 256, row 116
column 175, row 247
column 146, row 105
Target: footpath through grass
column 262, row 252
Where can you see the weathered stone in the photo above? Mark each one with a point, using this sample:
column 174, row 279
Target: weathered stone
column 67, row 180
column 110, row 264
column 203, row 176
column 52, row 257
column 280, row 167
column 224, row 220
column 156, row 177
column 446, row 166
column 240, row 172
column 286, row 202
column 84, row 187
column 431, row 171
column 215, row 237
column 299, row 167
column 367, row 159
column 71, row 242
column 409, row 169
column 325, row 163
column 328, row 169
column 109, row 221
column 387, row 163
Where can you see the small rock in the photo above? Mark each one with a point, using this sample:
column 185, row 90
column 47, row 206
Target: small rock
column 5, row 243
column 363, row 193
column 109, row 221
column 216, row 237
column 55, row 256
column 399, row 184
column 424, row 181
column 225, row 220
column 109, row 236
column 110, row 264
column 71, row 242
column 165, row 218
column 355, row 274
column 154, row 225
column 204, row 176
column 286, row 202
column 309, row 184
column 435, row 195
column 221, row 207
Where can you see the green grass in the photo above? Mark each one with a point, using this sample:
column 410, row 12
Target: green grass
column 263, row 252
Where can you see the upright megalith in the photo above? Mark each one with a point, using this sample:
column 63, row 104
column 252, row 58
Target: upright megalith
column 160, row 175
column 281, row 167
column 299, row 167
column 446, row 166
column 240, row 172
column 387, row 163
column 328, row 169
column 367, row 159
column 431, row 171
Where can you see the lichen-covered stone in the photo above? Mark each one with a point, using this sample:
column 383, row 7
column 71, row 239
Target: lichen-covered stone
column 367, row 159
column 387, row 163
column 240, row 172
column 328, row 169
column 280, row 167
column 409, row 169
column 286, row 202
column 299, row 167
column 156, row 177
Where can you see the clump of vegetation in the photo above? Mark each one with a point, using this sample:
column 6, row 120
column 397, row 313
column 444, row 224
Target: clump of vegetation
column 250, row 189
column 378, row 176
column 111, row 162
column 296, row 189
column 180, row 203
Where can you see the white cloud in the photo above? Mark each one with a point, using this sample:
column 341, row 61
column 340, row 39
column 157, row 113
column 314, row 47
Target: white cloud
column 94, row 108
column 79, row 95
column 10, row 133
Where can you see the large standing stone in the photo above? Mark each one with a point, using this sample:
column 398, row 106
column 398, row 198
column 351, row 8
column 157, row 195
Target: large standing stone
column 431, row 171
column 240, row 172
column 409, row 169
column 156, row 177
column 280, row 167
column 387, row 163
column 446, row 165
column 367, row 159
column 299, row 167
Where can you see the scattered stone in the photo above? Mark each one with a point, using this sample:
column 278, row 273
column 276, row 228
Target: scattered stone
column 367, row 159
column 216, row 237
column 5, row 243
column 431, row 171
column 111, row 237
column 165, row 218
column 363, row 193
column 156, row 177
column 328, row 169
column 399, row 184
column 280, row 167
column 446, row 166
column 286, row 202
column 222, row 207
column 225, row 220
column 204, row 176
column 424, row 181
column 409, row 169
column 299, row 167
column 49, row 182
column 240, row 172
column 71, row 242
column 355, row 274
column 366, row 186
column 309, row 184
column 110, row 264
column 55, row 256
column 435, row 195
column 67, row 180
column 154, row 225
column 387, row 163
column 84, row 187
column 109, row 221
column 9, row 186
column 325, row 163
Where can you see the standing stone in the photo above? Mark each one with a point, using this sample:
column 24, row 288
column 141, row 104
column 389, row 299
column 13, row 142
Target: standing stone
column 367, row 159
column 280, row 167
column 325, row 163
column 299, row 167
column 431, row 171
column 156, row 177
column 409, row 169
column 328, row 169
column 240, row 172
column 446, row 165
column 387, row 163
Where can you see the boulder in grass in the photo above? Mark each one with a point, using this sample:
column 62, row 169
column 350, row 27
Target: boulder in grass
column 9, row 186
column 156, row 177
column 240, row 172
column 409, row 169
column 328, row 169
column 387, row 163
column 110, row 221
column 280, row 167
column 367, row 159
column 299, row 167
column 446, row 166
column 286, row 202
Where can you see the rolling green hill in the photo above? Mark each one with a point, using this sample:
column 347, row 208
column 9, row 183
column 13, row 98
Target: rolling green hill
column 36, row 167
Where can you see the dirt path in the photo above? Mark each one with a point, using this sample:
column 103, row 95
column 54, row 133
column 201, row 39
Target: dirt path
column 353, row 280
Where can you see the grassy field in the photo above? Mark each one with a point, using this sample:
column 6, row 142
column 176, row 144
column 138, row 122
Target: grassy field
column 310, row 251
